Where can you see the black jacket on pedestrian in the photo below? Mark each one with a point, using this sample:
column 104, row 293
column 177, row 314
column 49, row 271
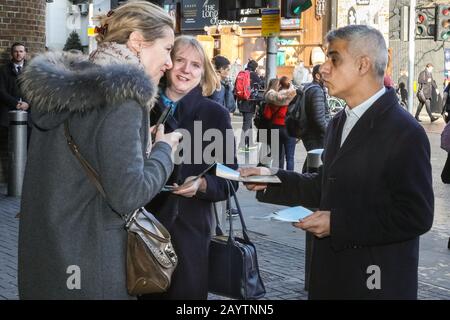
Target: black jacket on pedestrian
column 189, row 219
column 9, row 91
column 378, row 187
column 317, row 112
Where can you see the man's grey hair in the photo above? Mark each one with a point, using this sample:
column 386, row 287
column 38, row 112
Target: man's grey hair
column 363, row 40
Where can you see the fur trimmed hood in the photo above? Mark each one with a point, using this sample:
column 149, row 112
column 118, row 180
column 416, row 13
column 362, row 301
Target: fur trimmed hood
column 58, row 84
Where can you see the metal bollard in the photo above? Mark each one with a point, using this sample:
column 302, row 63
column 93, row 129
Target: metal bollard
column 313, row 162
column 17, row 151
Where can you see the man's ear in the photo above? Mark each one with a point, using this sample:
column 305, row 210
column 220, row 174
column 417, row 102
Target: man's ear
column 365, row 64
column 135, row 41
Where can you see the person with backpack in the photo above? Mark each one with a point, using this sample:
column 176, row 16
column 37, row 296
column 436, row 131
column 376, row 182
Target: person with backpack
column 317, row 113
column 225, row 97
column 277, row 97
column 247, row 81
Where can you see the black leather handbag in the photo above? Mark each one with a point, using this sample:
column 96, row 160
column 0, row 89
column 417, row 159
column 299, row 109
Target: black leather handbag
column 233, row 263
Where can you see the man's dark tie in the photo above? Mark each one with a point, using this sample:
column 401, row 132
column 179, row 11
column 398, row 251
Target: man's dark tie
column 19, row 68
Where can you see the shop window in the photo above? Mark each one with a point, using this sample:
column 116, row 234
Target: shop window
column 288, row 52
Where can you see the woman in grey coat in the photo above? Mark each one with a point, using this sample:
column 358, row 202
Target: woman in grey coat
column 72, row 242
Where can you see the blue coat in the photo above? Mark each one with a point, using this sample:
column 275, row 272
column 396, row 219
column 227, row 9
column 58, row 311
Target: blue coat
column 189, row 219
column 378, row 187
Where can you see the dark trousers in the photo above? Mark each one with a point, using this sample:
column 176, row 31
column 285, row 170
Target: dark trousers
column 311, row 144
column 246, row 135
column 286, row 148
column 427, row 107
column 445, row 175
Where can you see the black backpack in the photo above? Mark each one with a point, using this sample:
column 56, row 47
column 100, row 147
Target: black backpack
column 296, row 118
column 259, row 121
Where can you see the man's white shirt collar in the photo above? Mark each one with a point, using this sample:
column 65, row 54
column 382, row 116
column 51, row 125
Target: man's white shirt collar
column 353, row 115
column 360, row 109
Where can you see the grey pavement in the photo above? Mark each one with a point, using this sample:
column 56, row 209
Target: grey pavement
column 281, row 246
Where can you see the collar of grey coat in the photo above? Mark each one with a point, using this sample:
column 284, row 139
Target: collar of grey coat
column 364, row 125
column 58, row 84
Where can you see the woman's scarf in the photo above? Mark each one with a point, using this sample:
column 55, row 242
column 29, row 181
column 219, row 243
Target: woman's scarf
column 114, row 53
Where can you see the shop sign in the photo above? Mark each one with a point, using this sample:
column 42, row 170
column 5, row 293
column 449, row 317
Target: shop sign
column 196, row 14
column 290, row 24
column 271, row 22
column 376, row 14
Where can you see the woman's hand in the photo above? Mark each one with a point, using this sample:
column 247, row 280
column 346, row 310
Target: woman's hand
column 172, row 139
column 190, row 187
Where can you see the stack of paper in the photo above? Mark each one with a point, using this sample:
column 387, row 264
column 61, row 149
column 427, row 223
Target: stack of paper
column 230, row 174
column 293, row 214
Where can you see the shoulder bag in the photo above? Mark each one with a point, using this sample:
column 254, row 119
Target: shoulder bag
column 151, row 259
column 233, row 264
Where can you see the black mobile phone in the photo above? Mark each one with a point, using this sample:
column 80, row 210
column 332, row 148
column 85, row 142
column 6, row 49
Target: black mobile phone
column 161, row 120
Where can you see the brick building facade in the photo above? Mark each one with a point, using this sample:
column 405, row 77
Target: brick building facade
column 20, row 21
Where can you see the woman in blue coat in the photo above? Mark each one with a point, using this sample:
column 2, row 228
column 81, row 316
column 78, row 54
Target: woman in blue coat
column 187, row 212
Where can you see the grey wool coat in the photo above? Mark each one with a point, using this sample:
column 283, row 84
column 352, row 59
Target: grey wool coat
column 72, row 242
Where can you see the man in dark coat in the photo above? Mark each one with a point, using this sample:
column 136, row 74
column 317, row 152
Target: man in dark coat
column 426, row 87
column 374, row 192
column 10, row 95
column 317, row 113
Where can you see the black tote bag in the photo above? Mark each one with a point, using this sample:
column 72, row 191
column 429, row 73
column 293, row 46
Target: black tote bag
column 233, row 263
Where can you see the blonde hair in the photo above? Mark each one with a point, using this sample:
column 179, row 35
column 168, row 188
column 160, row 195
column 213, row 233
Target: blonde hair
column 142, row 16
column 210, row 82
column 274, row 84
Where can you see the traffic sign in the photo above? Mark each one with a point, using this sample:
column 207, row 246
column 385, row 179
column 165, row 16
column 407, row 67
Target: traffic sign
column 271, row 22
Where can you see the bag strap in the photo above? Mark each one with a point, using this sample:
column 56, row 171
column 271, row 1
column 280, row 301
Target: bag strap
column 219, row 231
column 241, row 216
column 90, row 171
column 232, row 193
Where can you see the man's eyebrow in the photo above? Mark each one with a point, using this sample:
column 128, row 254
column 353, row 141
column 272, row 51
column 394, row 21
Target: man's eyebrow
column 332, row 53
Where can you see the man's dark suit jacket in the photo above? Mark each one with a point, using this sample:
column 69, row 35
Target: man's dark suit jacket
column 378, row 187
column 9, row 91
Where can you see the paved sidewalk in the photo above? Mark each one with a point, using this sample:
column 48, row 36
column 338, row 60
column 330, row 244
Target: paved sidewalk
column 9, row 231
